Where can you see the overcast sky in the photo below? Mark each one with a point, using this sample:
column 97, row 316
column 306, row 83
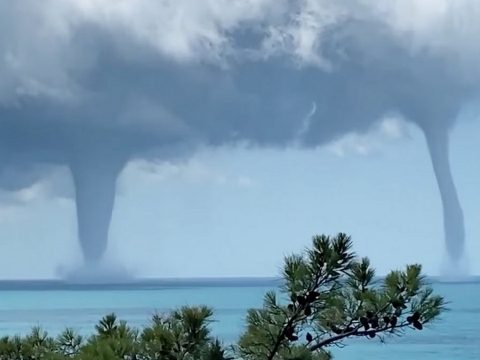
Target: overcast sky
column 242, row 127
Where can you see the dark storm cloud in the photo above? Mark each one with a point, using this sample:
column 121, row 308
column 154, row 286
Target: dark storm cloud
column 96, row 86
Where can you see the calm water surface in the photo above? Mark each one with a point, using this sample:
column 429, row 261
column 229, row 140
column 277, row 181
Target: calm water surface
column 53, row 306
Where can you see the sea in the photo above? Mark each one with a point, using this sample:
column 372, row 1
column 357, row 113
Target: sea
column 54, row 305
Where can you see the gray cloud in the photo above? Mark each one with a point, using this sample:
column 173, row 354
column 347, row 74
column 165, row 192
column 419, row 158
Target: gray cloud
column 93, row 84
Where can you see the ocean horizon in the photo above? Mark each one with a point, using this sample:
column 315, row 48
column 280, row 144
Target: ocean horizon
column 89, row 283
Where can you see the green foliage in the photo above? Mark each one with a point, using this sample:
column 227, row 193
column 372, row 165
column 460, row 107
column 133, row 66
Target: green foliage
column 183, row 334
column 328, row 296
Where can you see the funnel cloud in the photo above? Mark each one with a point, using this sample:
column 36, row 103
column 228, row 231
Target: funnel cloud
column 94, row 176
column 91, row 85
column 438, row 141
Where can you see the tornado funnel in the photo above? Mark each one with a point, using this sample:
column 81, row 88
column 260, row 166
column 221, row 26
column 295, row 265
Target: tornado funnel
column 94, row 176
column 438, row 145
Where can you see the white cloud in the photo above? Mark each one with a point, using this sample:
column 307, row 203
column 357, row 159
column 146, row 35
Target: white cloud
column 301, row 36
column 23, row 196
column 182, row 29
column 191, row 171
column 31, row 193
column 388, row 131
column 38, row 48
column 393, row 128
column 55, row 183
column 447, row 28
column 35, row 50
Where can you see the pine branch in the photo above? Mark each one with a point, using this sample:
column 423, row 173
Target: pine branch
column 354, row 332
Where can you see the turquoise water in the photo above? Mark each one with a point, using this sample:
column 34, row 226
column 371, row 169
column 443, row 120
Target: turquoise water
column 455, row 336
